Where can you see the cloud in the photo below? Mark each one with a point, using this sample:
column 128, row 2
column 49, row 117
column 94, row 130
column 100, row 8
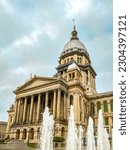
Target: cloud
column 33, row 34
column 73, row 7
column 5, row 6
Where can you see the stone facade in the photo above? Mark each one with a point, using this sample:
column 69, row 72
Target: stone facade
column 3, row 127
column 73, row 84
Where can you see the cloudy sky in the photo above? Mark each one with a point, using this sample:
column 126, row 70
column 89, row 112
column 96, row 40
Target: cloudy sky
column 34, row 32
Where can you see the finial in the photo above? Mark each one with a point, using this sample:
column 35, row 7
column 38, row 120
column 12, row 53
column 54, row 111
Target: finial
column 74, row 24
column 74, row 32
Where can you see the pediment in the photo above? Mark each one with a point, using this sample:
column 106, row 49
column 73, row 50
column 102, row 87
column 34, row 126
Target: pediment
column 35, row 82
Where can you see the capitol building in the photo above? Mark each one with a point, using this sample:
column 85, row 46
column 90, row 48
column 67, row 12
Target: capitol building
column 73, row 84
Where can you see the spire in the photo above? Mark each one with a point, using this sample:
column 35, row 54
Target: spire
column 74, row 32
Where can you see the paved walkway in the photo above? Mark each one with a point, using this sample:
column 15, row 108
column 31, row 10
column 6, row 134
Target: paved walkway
column 6, row 147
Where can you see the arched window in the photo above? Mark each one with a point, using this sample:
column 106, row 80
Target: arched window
column 105, row 105
column 111, row 104
column 77, row 59
column 92, row 109
column 63, row 132
column 73, row 75
column 31, row 133
column 17, row 134
column 71, row 58
column 80, row 60
column 24, row 134
column 71, row 99
column 98, row 106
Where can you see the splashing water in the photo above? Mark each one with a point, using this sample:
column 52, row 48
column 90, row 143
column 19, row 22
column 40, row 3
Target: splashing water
column 47, row 130
column 80, row 136
column 103, row 141
column 72, row 132
column 90, row 136
column 74, row 137
column 100, row 143
column 106, row 140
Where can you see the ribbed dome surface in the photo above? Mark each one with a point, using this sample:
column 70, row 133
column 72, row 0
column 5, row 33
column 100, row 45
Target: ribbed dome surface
column 74, row 45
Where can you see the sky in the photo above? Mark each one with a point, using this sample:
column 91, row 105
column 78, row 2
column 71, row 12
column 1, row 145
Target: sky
column 34, row 33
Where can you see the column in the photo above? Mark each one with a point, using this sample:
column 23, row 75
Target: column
column 65, row 104
column 31, row 108
column 58, row 103
column 15, row 114
column 38, row 107
column 82, row 108
column 17, row 120
column 24, row 110
column 35, row 135
column 68, row 106
column 109, row 106
column 110, row 125
column 21, row 134
column 46, row 101
column 27, row 136
column 110, row 120
column 76, row 107
column 54, row 104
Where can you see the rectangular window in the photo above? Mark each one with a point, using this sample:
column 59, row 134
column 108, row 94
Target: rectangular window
column 111, row 103
column 73, row 75
column 105, row 106
column 98, row 106
column 70, row 76
column 106, row 121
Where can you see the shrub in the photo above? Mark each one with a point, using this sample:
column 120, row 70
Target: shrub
column 58, row 139
column 33, row 145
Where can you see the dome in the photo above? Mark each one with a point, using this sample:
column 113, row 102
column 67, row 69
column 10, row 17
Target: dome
column 74, row 45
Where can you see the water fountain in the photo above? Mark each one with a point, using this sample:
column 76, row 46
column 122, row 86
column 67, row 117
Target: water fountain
column 90, row 136
column 80, row 136
column 74, row 136
column 47, row 130
column 103, row 141
column 106, row 140
column 100, row 143
column 72, row 139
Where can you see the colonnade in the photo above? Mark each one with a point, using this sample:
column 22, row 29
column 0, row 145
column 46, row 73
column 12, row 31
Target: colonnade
column 29, row 108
